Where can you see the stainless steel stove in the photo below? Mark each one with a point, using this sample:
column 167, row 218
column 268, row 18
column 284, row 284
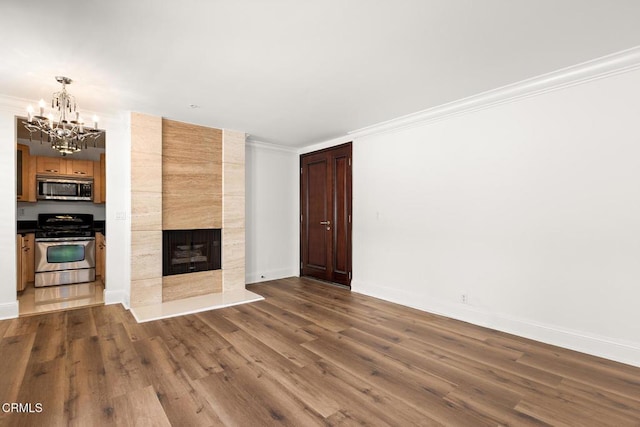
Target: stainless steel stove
column 65, row 249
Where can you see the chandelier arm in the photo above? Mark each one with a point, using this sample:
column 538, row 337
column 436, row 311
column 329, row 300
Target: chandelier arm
column 66, row 136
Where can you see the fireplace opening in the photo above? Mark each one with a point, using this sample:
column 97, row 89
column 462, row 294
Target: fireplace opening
column 188, row 251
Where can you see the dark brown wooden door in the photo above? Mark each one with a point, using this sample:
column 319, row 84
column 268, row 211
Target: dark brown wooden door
column 325, row 220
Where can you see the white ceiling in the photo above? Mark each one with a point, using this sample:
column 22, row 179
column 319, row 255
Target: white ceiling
column 296, row 72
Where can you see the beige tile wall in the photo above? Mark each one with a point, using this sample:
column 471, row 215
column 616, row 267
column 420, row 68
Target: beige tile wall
column 191, row 176
column 191, row 285
column 146, row 210
column 148, row 287
column 233, row 226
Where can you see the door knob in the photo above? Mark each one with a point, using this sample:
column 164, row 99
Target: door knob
column 325, row 222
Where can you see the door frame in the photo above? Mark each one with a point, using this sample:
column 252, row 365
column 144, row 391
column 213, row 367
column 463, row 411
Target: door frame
column 349, row 202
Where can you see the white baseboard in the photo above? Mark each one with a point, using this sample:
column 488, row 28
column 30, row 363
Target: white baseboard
column 116, row 297
column 9, row 310
column 271, row 275
column 608, row 348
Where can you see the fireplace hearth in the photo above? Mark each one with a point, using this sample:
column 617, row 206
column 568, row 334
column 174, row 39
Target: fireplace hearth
column 189, row 251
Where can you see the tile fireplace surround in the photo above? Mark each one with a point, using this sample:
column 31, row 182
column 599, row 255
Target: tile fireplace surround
column 173, row 188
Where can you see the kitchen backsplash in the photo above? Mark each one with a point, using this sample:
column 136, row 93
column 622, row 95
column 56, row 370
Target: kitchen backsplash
column 30, row 211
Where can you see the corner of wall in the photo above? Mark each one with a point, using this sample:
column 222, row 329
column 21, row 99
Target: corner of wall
column 9, row 310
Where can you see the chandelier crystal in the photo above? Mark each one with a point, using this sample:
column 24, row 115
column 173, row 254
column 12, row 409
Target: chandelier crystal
column 65, row 135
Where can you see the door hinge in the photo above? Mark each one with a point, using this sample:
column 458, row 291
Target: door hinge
column 349, row 161
column 349, row 275
column 300, row 218
column 349, row 219
column 300, row 171
column 300, row 266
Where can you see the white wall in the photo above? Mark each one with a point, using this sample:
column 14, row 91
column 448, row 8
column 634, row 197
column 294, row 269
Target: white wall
column 272, row 230
column 8, row 303
column 118, row 208
column 531, row 208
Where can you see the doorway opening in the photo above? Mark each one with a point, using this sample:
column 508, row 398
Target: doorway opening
column 65, row 268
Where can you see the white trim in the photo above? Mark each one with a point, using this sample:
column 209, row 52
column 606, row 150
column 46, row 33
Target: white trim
column 252, row 278
column 270, row 146
column 617, row 350
column 326, row 144
column 13, row 103
column 9, row 310
column 194, row 305
column 609, row 65
column 116, row 297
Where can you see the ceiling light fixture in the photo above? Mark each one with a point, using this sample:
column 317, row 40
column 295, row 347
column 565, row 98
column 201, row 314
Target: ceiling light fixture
column 65, row 135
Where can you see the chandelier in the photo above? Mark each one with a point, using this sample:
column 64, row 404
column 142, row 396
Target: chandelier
column 64, row 134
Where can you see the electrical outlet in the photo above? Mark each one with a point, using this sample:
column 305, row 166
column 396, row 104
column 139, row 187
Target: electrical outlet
column 464, row 298
column 20, row 212
column 121, row 215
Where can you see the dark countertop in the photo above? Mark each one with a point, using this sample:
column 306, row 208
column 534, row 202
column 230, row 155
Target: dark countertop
column 100, row 227
column 25, row 227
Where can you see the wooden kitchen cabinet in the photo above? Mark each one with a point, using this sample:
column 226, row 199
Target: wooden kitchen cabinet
column 103, row 177
column 51, row 165
column 101, row 249
column 99, row 181
column 26, row 174
column 61, row 166
column 79, row 167
column 30, row 254
column 25, row 245
column 20, row 282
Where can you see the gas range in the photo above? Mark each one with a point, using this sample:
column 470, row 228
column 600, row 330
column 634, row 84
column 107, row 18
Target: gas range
column 65, row 249
column 64, row 227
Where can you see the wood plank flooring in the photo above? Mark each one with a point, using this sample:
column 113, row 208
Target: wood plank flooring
column 310, row 354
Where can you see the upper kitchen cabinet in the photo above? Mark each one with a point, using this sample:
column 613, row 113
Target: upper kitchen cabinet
column 51, row 165
column 25, row 177
column 62, row 166
column 79, row 167
column 99, row 181
column 103, row 177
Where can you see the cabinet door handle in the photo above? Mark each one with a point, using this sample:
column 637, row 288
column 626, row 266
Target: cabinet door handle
column 80, row 173
column 51, row 170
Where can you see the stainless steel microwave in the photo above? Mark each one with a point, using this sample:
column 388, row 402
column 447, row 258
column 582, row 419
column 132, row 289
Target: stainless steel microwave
column 53, row 188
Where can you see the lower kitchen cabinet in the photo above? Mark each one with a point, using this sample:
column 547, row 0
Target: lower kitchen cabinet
column 19, row 278
column 26, row 260
column 101, row 249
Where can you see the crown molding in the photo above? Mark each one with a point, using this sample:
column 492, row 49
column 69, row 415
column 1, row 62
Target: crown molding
column 325, row 144
column 269, row 146
column 14, row 104
column 609, row 65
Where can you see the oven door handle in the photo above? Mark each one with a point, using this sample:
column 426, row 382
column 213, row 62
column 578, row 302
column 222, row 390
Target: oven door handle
column 64, row 239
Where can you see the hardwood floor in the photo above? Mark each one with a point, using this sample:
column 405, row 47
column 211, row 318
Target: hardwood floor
column 310, row 354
